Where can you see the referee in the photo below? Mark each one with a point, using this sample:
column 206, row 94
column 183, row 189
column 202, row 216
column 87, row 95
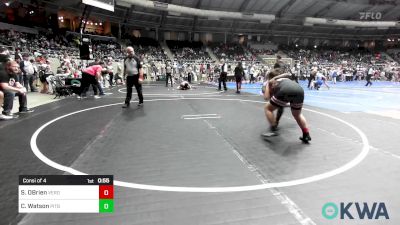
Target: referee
column 133, row 74
column 223, row 75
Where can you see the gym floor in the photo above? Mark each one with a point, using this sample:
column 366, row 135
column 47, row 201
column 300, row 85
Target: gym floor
column 197, row 157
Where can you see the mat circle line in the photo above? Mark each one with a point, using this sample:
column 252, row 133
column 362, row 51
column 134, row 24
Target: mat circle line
column 359, row 158
column 173, row 94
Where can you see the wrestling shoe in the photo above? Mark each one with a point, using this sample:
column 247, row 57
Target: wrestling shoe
column 273, row 132
column 4, row 117
column 26, row 111
column 126, row 105
column 13, row 115
column 306, row 138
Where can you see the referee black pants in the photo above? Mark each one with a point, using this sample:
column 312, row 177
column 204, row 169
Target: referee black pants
column 130, row 81
column 222, row 79
column 168, row 77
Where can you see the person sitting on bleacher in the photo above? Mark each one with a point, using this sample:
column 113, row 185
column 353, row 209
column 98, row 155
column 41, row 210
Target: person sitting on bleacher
column 11, row 86
column 3, row 60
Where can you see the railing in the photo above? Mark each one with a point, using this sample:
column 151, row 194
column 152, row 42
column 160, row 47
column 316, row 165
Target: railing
column 9, row 47
column 92, row 36
column 7, row 26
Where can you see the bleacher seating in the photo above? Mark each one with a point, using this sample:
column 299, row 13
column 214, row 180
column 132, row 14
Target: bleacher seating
column 186, row 50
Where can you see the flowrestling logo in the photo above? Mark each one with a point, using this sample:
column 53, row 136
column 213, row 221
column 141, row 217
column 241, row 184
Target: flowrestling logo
column 370, row 15
column 355, row 210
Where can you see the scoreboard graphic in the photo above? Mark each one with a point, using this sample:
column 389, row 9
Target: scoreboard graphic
column 66, row 194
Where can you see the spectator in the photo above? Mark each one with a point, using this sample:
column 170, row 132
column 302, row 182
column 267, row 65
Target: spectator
column 28, row 73
column 90, row 76
column 223, row 75
column 3, row 60
column 10, row 86
column 239, row 74
column 44, row 72
column 110, row 70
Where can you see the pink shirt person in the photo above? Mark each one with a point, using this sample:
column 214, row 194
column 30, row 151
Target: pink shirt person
column 93, row 70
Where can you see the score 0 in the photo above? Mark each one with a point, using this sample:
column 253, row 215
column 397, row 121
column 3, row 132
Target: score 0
column 106, row 198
